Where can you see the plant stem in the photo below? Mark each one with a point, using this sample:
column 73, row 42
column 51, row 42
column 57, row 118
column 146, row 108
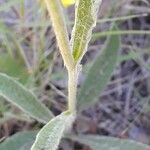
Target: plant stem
column 57, row 18
column 59, row 26
column 72, row 89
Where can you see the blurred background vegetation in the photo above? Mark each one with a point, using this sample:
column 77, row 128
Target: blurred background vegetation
column 29, row 53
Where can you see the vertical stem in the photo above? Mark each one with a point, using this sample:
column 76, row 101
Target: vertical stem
column 57, row 18
column 59, row 26
column 72, row 89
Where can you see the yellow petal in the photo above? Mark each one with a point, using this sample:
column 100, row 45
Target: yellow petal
column 67, row 3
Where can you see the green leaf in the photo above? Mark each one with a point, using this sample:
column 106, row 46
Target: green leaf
column 19, row 141
column 50, row 135
column 85, row 21
column 13, row 68
column 15, row 93
column 109, row 143
column 99, row 74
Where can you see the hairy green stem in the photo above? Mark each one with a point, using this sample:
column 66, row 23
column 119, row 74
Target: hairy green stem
column 57, row 18
column 59, row 26
column 72, row 89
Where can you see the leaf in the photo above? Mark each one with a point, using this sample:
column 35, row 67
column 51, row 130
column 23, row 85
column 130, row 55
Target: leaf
column 50, row 135
column 13, row 68
column 67, row 3
column 19, row 141
column 85, row 21
column 109, row 143
column 15, row 93
column 99, row 74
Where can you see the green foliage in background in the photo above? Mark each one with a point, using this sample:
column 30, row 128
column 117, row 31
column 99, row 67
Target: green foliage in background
column 99, row 72
column 13, row 68
column 18, row 95
column 19, row 141
column 108, row 143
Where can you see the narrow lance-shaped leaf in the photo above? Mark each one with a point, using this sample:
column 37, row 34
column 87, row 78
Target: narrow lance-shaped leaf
column 50, row 135
column 15, row 93
column 85, row 20
column 19, row 141
column 109, row 143
column 99, row 74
